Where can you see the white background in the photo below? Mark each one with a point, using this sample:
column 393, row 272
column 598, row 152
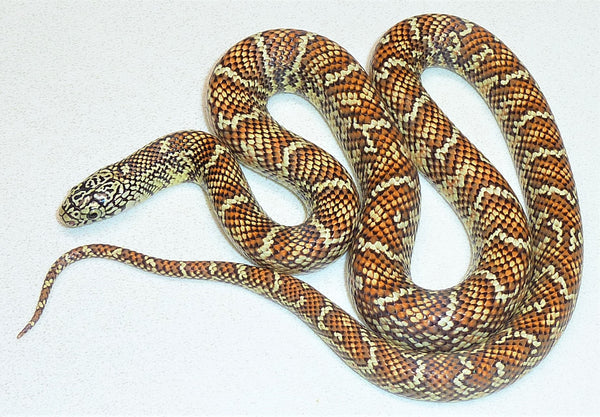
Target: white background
column 83, row 85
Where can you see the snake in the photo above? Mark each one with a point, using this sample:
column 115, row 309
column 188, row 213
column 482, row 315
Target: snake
column 459, row 343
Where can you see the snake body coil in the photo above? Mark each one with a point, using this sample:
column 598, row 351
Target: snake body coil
column 459, row 343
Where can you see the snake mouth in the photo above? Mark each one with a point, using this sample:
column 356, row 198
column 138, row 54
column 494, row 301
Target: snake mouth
column 67, row 219
column 70, row 215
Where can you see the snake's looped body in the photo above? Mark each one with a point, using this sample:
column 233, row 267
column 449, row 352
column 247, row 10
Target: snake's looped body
column 460, row 343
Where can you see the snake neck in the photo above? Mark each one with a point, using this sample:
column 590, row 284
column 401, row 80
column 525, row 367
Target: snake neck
column 167, row 161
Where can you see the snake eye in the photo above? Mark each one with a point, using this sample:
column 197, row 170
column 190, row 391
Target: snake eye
column 95, row 213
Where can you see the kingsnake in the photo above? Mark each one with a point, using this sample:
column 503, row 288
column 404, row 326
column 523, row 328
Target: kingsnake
column 455, row 344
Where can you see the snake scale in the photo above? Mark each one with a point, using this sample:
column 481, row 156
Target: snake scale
column 463, row 342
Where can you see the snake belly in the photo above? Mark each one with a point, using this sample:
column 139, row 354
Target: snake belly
column 455, row 344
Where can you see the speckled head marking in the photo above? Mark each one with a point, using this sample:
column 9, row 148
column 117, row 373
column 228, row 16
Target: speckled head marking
column 99, row 196
column 455, row 344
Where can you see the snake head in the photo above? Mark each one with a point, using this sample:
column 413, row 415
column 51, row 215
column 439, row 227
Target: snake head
column 99, row 196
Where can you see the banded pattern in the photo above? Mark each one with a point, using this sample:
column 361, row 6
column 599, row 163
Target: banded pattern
column 459, row 343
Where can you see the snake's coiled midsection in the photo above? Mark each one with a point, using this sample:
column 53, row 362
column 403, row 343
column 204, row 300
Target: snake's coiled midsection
column 459, row 343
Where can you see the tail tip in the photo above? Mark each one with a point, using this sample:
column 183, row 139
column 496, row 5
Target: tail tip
column 27, row 327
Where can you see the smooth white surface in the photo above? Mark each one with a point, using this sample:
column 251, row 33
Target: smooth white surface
column 83, row 85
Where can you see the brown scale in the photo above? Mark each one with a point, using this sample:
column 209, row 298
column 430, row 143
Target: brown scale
column 460, row 343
